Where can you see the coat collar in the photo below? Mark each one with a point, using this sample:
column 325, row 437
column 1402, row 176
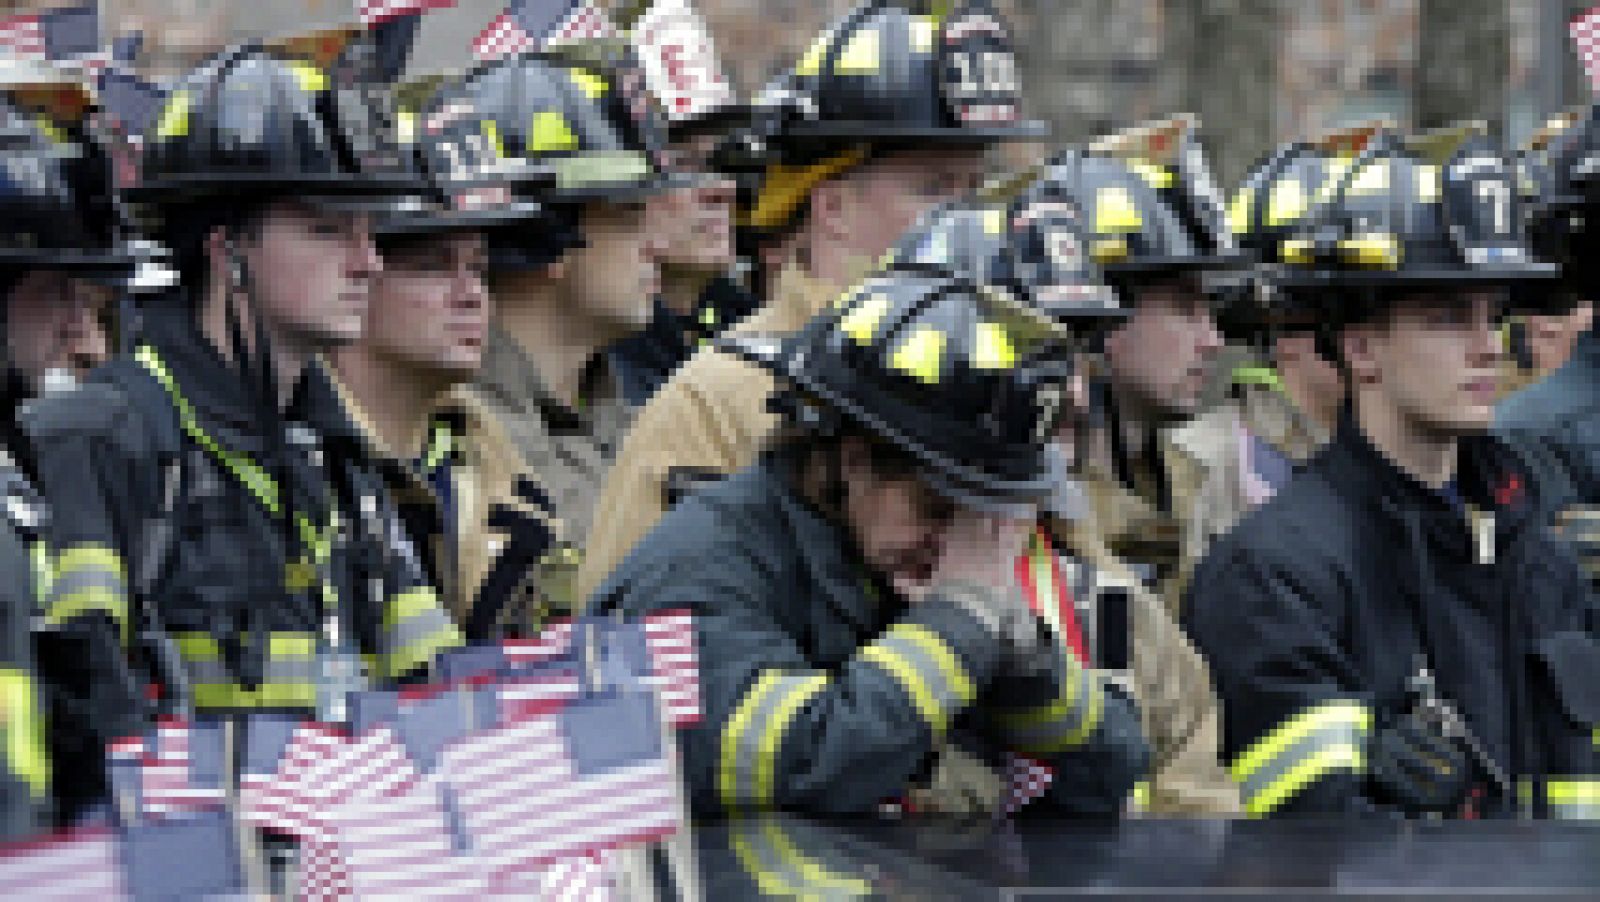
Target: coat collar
column 827, row 555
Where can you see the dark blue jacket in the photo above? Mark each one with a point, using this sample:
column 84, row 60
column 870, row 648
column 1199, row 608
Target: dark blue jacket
column 823, row 692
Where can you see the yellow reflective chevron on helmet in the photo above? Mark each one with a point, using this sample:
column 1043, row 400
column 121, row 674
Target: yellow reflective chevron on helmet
column 992, row 348
column 862, row 323
column 405, row 127
column 1239, row 210
column 589, row 83
column 924, row 30
column 862, row 56
column 1287, row 203
column 1114, row 211
column 1373, row 178
column 1428, row 190
column 1155, row 176
column 550, row 133
column 491, row 132
column 994, row 221
column 174, row 122
column 920, row 355
column 310, row 79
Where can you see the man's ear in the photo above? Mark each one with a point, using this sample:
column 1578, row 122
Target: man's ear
column 855, row 458
column 1360, row 346
column 829, row 206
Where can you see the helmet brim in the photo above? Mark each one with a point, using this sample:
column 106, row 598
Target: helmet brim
column 231, row 188
column 956, row 481
column 109, row 265
column 878, row 132
column 441, row 222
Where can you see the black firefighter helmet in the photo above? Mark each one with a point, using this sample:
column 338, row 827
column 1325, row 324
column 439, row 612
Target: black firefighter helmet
column 57, row 197
column 581, row 113
column 1030, row 248
column 1150, row 205
column 1270, row 204
column 1561, row 186
column 1428, row 215
column 248, row 125
column 940, row 368
column 888, row 75
column 472, row 184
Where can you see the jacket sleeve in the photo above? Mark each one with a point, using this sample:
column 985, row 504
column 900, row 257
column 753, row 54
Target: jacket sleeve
column 1295, row 719
column 1048, row 706
column 778, row 732
column 92, row 693
column 1181, row 714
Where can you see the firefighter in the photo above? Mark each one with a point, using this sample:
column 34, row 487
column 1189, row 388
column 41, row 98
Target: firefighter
column 1025, row 241
column 854, row 590
column 885, row 116
column 585, row 281
column 1155, row 225
column 217, row 530
column 1557, row 416
column 481, row 522
column 691, row 228
column 1538, row 344
column 61, row 259
column 1280, row 410
column 1396, row 631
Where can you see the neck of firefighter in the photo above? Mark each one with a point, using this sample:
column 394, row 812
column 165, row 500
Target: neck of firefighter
column 682, row 287
column 396, row 397
column 555, row 332
column 1426, row 454
column 291, row 353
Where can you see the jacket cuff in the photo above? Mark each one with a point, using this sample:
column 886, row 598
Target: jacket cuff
column 975, row 647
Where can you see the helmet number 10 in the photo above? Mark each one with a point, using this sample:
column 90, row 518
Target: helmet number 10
column 984, row 72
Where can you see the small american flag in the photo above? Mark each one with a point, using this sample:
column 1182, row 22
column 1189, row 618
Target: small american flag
column 1585, row 32
column 593, row 775
column 397, row 844
column 1026, row 780
column 280, row 753
column 60, row 34
column 79, row 865
column 372, row 12
column 528, row 25
column 182, row 770
column 670, row 667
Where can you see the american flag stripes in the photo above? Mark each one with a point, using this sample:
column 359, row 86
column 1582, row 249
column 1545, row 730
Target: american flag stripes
column 528, row 25
column 1585, row 33
column 593, row 775
column 183, row 768
column 373, row 12
column 186, row 859
column 673, row 659
column 80, row 865
column 1026, row 780
column 59, row 34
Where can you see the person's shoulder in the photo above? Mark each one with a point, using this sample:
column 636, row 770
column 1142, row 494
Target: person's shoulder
column 730, row 530
column 1306, row 525
column 1565, row 395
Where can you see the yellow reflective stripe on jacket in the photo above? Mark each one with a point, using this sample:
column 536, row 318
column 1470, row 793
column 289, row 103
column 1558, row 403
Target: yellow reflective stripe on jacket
column 926, row 668
column 753, row 736
column 1304, row 748
column 1574, row 799
column 289, row 675
column 88, row 578
column 415, row 630
column 780, row 868
column 44, row 573
column 23, row 729
column 1063, row 723
column 255, row 479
